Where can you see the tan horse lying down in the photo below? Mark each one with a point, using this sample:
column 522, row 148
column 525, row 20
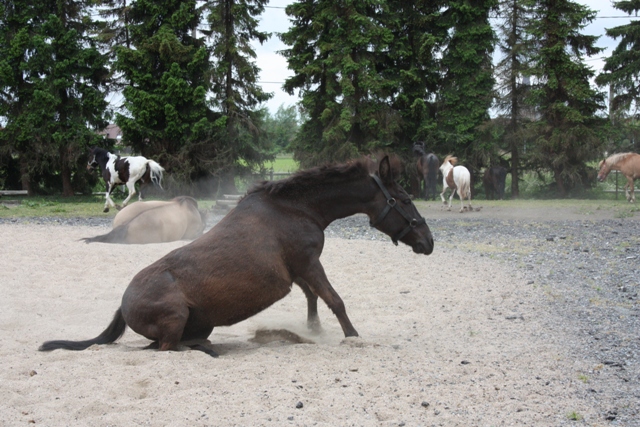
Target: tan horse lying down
column 155, row 222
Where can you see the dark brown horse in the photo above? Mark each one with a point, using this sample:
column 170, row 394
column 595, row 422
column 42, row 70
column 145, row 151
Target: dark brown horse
column 494, row 179
column 249, row 260
column 427, row 167
column 628, row 164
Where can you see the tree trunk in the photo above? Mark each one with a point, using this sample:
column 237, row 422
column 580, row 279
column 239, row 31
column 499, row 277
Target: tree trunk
column 228, row 182
column 25, row 177
column 65, row 172
column 515, row 177
column 562, row 191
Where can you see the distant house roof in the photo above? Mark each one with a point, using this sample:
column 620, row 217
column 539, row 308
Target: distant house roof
column 112, row 131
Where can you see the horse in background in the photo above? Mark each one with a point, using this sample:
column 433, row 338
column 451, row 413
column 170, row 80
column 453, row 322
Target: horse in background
column 427, row 168
column 127, row 171
column 155, row 222
column 272, row 239
column 458, row 179
column 494, row 179
column 628, row 164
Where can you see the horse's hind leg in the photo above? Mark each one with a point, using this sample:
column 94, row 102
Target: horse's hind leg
column 629, row 191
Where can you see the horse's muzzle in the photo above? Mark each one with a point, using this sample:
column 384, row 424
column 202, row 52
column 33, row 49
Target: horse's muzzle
column 425, row 248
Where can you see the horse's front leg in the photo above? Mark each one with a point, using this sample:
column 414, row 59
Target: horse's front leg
column 107, row 197
column 313, row 320
column 131, row 187
column 444, row 190
column 318, row 283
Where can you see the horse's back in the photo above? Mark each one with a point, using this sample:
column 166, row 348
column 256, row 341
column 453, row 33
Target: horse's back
column 134, row 209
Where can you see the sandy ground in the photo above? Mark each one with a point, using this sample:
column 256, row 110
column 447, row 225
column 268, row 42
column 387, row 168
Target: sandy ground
column 448, row 339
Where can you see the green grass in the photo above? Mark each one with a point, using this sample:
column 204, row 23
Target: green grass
column 65, row 207
column 283, row 163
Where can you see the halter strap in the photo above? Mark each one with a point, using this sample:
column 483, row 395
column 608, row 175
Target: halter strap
column 393, row 204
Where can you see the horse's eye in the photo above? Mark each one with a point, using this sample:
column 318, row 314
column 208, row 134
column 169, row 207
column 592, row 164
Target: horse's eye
column 407, row 201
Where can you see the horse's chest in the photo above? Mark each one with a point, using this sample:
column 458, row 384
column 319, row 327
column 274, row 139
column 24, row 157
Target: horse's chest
column 118, row 172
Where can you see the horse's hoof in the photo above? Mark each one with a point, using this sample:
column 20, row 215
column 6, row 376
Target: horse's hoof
column 105, row 210
column 118, row 207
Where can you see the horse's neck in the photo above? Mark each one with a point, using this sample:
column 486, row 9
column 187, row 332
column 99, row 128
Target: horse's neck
column 339, row 202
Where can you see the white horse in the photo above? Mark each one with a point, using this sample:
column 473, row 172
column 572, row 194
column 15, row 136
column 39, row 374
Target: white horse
column 457, row 178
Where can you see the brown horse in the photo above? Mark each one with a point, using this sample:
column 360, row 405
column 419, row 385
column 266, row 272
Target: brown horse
column 155, row 222
column 250, row 259
column 628, row 164
column 427, row 168
column 493, row 180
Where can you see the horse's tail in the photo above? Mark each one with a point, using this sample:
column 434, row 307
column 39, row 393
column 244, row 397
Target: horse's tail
column 464, row 189
column 433, row 163
column 117, row 235
column 114, row 331
column 156, row 173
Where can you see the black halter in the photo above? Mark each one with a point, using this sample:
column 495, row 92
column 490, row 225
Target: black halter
column 392, row 203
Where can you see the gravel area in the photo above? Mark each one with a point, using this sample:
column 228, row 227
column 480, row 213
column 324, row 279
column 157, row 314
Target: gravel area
column 586, row 274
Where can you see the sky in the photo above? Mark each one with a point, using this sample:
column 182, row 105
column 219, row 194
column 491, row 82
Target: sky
column 274, row 69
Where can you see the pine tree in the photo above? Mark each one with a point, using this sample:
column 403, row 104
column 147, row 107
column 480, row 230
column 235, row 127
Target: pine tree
column 622, row 69
column 411, row 67
column 566, row 132
column 167, row 73
column 335, row 52
column 237, row 95
column 513, row 83
column 467, row 89
column 57, row 78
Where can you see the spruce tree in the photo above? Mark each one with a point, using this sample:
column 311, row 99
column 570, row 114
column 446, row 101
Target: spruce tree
column 513, row 84
column 467, row 90
column 566, row 132
column 53, row 84
column 237, row 95
column 411, row 67
column 622, row 69
column 166, row 68
column 335, row 51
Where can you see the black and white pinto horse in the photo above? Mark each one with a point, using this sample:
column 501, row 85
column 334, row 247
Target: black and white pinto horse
column 127, row 171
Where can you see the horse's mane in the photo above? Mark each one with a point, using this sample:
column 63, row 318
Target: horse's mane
column 616, row 158
column 185, row 199
column 302, row 182
column 451, row 159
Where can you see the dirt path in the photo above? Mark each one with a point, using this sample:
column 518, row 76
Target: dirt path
column 452, row 339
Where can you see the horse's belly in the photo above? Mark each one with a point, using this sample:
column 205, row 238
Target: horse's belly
column 232, row 299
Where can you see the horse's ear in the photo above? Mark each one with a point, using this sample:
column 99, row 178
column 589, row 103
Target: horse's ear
column 384, row 170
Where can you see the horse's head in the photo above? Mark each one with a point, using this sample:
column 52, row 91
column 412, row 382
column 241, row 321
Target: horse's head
column 93, row 162
column 419, row 148
column 447, row 164
column 603, row 170
column 395, row 214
